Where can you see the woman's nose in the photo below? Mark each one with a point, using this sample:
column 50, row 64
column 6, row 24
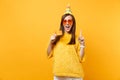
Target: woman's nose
column 67, row 22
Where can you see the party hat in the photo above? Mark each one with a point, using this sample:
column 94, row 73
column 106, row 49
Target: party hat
column 68, row 10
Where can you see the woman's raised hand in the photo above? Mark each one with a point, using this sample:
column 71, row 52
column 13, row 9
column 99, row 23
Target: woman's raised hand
column 81, row 38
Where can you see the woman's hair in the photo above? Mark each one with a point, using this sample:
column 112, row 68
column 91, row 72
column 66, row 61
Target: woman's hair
column 72, row 31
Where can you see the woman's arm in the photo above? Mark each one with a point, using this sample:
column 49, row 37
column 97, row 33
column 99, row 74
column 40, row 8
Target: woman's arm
column 51, row 44
column 82, row 50
column 50, row 48
column 82, row 45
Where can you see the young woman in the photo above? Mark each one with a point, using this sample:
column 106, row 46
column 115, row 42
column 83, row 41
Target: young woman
column 67, row 51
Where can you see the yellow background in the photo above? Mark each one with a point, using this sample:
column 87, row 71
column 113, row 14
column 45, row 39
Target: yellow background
column 26, row 26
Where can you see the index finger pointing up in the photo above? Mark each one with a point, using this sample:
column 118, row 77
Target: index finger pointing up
column 80, row 33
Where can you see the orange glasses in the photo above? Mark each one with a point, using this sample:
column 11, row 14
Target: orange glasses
column 70, row 21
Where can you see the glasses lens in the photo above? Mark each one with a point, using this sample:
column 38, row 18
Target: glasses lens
column 67, row 21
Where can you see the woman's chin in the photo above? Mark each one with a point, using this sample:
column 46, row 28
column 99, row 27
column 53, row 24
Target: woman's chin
column 67, row 30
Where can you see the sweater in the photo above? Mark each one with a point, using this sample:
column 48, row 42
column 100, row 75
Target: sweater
column 66, row 58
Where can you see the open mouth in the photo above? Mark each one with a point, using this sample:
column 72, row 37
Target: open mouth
column 67, row 26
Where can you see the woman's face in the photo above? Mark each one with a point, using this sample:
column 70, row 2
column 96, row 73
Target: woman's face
column 67, row 23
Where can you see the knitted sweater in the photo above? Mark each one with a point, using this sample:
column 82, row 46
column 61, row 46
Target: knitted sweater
column 67, row 60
